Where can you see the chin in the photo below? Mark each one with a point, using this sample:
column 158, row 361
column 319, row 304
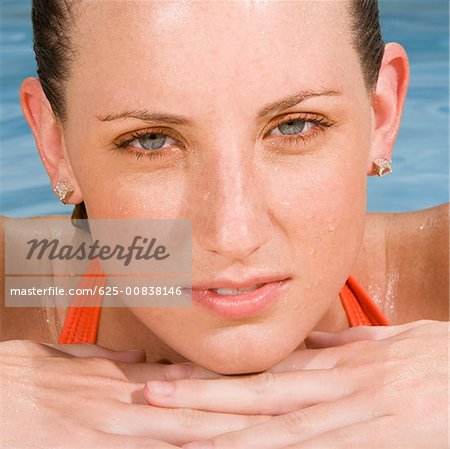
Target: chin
column 229, row 367
column 234, row 353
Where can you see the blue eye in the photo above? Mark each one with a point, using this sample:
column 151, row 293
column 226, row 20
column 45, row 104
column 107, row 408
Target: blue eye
column 292, row 127
column 295, row 126
column 151, row 141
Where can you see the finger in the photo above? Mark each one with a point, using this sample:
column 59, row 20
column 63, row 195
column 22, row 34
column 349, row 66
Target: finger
column 91, row 350
column 187, row 370
column 295, row 427
column 374, row 434
column 303, row 359
column 326, row 340
column 106, row 440
column 264, row 393
column 141, row 373
column 144, row 372
column 176, row 426
column 134, row 366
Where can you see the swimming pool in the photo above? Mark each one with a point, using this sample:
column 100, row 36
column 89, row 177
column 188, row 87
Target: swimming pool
column 421, row 157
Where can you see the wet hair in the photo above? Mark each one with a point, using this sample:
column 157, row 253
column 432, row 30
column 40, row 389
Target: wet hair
column 54, row 51
column 367, row 39
column 52, row 48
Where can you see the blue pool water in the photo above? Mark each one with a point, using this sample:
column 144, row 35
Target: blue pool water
column 421, row 158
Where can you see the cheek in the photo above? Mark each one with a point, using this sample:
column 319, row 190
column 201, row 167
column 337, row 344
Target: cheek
column 115, row 192
column 319, row 202
column 145, row 196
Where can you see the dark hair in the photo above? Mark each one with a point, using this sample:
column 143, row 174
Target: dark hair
column 367, row 41
column 54, row 51
column 52, row 48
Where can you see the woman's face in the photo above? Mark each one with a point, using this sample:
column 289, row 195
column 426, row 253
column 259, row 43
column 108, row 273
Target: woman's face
column 276, row 191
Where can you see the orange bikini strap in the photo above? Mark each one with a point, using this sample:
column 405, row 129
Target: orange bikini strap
column 359, row 306
column 81, row 323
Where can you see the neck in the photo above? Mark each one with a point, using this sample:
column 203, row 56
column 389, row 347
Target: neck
column 119, row 330
column 335, row 319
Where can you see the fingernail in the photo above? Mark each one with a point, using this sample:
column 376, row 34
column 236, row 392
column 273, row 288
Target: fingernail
column 199, row 445
column 179, row 371
column 160, row 388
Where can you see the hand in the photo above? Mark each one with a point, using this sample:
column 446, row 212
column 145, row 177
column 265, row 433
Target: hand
column 89, row 396
column 368, row 386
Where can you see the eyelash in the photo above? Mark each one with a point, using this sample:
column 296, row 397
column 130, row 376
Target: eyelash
column 123, row 143
column 321, row 123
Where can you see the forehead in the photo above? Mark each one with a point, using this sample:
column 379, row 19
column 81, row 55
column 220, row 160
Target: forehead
column 187, row 47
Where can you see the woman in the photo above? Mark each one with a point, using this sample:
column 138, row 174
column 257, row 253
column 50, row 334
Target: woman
column 260, row 123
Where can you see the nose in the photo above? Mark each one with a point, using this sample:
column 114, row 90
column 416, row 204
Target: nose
column 230, row 216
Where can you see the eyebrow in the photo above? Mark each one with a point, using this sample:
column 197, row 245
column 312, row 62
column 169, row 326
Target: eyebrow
column 146, row 116
column 173, row 119
column 293, row 100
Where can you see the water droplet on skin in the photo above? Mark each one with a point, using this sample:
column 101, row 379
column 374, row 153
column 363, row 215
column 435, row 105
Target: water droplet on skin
column 421, row 227
column 277, row 168
column 286, row 203
column 391, row 290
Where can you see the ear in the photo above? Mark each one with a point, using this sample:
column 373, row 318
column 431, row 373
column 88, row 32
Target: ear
column 48, row 135
column 388, row 100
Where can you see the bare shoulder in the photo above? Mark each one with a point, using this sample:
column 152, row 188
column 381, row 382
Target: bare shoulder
column 417, row 245
column 19, row 322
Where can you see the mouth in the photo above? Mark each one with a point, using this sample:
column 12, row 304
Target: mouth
column 236, row 291
column 239, row 299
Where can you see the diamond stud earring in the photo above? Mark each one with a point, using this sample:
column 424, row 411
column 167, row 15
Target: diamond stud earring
column 383, row 166
column 63, row 190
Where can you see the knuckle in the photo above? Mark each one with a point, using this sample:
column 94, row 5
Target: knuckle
column 92, row 437
column 104, row 367
column 106, row 414
column 97, row 362
column 296, row 423
column 190, row 418
column 261, row 383
column 114, row 370
column 355, row 347
column 348, row 436
column 104, row 384
column 400, row 348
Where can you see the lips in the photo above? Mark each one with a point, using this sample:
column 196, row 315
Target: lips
column 239, row 299
column 235, row 291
